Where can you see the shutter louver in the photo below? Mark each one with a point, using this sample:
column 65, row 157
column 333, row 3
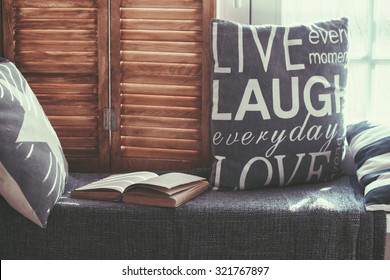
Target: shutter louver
column 61, row 48
column 159, row 73
column 160, row 83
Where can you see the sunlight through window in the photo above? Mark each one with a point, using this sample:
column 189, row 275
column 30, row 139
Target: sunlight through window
column 368, row 95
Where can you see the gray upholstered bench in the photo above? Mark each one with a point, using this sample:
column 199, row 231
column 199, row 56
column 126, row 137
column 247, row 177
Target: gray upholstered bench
column 318, row 221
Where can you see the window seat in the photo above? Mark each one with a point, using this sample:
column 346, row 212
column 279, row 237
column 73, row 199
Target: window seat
column 317, row 221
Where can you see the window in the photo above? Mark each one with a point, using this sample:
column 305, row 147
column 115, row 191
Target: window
column 368, row 94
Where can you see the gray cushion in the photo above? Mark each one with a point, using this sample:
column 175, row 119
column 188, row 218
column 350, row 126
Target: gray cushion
column 278, row 94
column 300, row 222
column 33, row 169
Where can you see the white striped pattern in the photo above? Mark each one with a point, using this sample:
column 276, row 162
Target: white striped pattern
column 367, row 137
column 382, row 180
column 374, row 164
column 377, row 192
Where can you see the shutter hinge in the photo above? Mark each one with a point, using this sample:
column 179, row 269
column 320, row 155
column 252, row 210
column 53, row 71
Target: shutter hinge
column 109, row 119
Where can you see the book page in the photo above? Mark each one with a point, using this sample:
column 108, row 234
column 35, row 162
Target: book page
column 171, row 180
column 171, row 191
column 119, row 182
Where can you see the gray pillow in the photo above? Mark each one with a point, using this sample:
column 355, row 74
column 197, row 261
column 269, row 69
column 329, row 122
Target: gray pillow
column 33, row 169
column 277, row 103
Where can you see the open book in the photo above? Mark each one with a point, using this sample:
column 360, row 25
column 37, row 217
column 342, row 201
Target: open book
column 168, row 190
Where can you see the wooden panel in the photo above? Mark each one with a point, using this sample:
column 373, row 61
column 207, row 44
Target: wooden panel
column 54, row 56
column 172, row 80
column 55, row 35
column 193, row 58
column 159, row 83
column 160, row 13
column 66, row 111
column 162, row 4
column 55, row 3
column 161, row 46
column 55, row 13
column 130, row 69
column 8, row 21
column 65, row 90
column 66, row 99
column 167, row 122
column 161, row 100
column 80, row 141
column 165, row 143
column 76, row 121
column 134, row 163
column 57, row 67
column 77, row 131
column 61, row 48
column 161, row 111
column 208, row 13
column 164, row 89
column 159, row 35
column 158, row 24
column 62, row 80
column 162, row 132
column 154, row 153
column 64, row 24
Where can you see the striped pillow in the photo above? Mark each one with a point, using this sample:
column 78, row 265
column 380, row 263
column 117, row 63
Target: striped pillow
column 370, row 147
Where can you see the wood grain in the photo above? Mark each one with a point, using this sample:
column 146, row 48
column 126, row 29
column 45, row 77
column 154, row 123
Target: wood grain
column 61, row 48
column 162, row 85
column 161, row 100
column 138, row 164
column 55, row 3
column 168, row 133
column 152, row 68
column 156, row 153
column 159, row 54
column 164, row 143
column 167, row 122
column 161, row 46
column 159, row 35
column 54, row 56
column 57, row 46
column 163, row 89
column 55, row 35
column 148, row 79
column 56, row 13
column 161, row 13
column 209, row 12
column 158, row 24
column 162, row 3
column 166, row 57
column 8, row 16
column 161, row 111
column 64, row 24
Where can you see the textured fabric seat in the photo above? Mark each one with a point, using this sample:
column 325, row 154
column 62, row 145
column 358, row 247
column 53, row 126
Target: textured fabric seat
column 317, row 221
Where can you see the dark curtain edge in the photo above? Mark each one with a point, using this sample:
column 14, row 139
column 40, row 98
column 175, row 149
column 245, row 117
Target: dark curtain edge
column 1, row 29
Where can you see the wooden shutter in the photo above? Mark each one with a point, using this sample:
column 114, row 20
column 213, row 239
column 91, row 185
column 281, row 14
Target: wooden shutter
column 61, row 48
column 160, row 83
